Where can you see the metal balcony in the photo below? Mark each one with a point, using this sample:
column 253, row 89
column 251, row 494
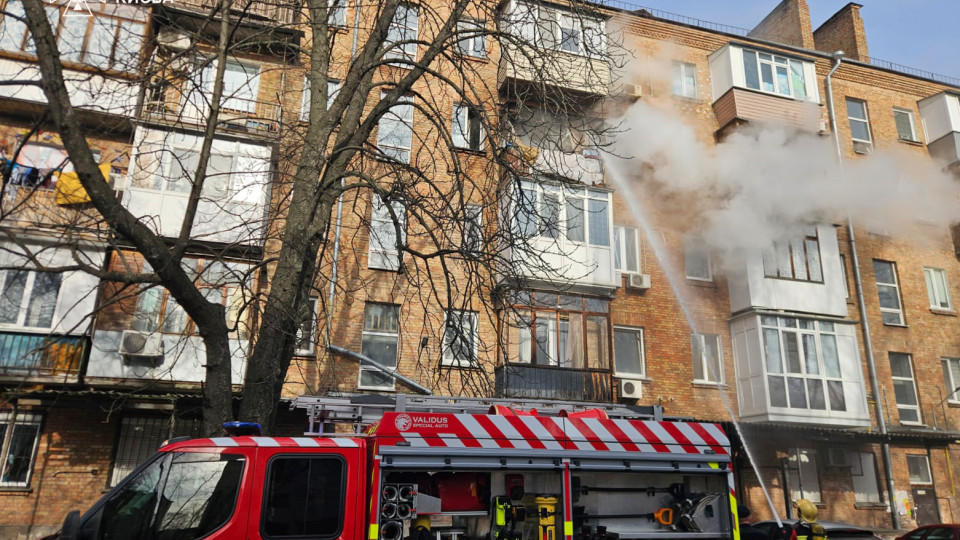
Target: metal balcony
column 237, row 115
column 27, row 355
column 550, row 382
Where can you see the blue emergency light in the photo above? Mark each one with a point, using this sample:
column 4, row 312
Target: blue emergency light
column 240, row 429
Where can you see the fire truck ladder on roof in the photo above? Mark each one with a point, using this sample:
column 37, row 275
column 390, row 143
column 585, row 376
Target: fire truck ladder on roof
column 365, row 409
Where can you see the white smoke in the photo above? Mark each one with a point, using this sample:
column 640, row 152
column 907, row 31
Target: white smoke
column 765, row 183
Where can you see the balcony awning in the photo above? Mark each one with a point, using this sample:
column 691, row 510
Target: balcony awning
column 905, row 435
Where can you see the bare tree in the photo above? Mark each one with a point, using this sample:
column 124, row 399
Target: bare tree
column 422, row 148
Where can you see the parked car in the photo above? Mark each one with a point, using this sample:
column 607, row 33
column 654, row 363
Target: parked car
column 940, row 531
column 834, row 530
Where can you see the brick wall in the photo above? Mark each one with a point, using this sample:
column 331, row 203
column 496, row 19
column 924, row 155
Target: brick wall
column 844, row 31
column 788, row 23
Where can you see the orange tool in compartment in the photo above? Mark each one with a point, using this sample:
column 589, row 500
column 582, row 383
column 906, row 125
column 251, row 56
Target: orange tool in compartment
column 663, row 516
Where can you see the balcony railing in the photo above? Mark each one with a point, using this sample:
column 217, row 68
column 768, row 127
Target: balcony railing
column 236, row 114
column 548, row 382
column 273, row 12
column 44, row 355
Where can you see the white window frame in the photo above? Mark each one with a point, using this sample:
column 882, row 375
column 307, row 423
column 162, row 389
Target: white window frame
column 447, row 358
column 896, row 287
column 641, row 345
column 926, row 466
column 680, row 74
column 620, row 243
column 337, row 13
column 795, row 251
column 406, row 32
column 775, row 61
column 563, row 194
column 912, row 381
column 930, row 275
column 865, row 120
column 862, row 465
column 309, row 326
column 846, row 283
column 364, row 333
column 379, row 255
column 475, row 44
column 462, row 129
column 697, row 248
column 22, row 419
column 401, row 116
column 796, row 466
column 808, row 337
column 25, row 300
column 333, row 89
column 913, row 124
column 702, row 338
column 472, row 241
column 951, row 378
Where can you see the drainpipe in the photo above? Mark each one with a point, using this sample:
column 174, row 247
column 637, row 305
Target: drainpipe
column 864, row 321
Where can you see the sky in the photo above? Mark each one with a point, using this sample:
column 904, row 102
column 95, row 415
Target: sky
column 920, row 34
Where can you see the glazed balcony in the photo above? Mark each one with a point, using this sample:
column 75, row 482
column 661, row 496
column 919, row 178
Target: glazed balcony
column 941, row 121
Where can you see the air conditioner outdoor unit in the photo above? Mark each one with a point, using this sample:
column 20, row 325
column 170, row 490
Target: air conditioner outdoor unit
column 631, row 388
column 862, row 147
column 141, row 344
column 172, row 39
column 633, row 90
column 638, row 281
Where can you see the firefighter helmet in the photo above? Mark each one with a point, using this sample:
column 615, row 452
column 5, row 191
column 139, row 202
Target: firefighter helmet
column 807, row 510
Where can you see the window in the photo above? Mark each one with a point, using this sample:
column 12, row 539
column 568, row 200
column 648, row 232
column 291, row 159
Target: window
column 467, row 131
column 707, row 358
column 21, row 452
column 104, row 41
column 221, row 282
column 904, row 388
column 936, row 279
column 380, row 341
column 307, row 333
column 141, row 436
column 559, row 30
column 774, row 74
column 802, row 364
column 304, row 497
column 628, row 352
column 685, row 80
column 545, row 210
column 333, row 88
column 337, row 12
column 395, row 130
column 560, row 330
column 843, row 269
column 864, row 474
column 198, row 491
column 29, row 299
column 906, row 126
column 696, row 258
column 626, row 250
column 797, row 259
column 889, row 291
column 460, row 339
column 241, row 82
column 388, row 224
column 859, row 125
column 919, row 468
column 802, row 475
column 951, row 378
column 402, row 33
column 473, row 229
column 473, row 38
column 172, row 171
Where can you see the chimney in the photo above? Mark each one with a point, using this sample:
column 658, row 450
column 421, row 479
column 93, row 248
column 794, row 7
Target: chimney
column 788, row 23
column 844, row 32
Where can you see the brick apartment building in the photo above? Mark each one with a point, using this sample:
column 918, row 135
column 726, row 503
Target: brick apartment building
column 637, row 309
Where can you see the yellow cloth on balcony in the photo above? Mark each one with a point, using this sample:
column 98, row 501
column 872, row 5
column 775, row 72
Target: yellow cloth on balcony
column 70, row 190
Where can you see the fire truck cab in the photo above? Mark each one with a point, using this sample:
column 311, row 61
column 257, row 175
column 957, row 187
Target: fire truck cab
column 433, row 470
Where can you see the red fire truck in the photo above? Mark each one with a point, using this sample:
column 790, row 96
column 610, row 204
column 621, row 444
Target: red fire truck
column 434, row 468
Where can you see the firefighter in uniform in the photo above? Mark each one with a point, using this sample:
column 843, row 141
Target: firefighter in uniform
column 807, row 527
